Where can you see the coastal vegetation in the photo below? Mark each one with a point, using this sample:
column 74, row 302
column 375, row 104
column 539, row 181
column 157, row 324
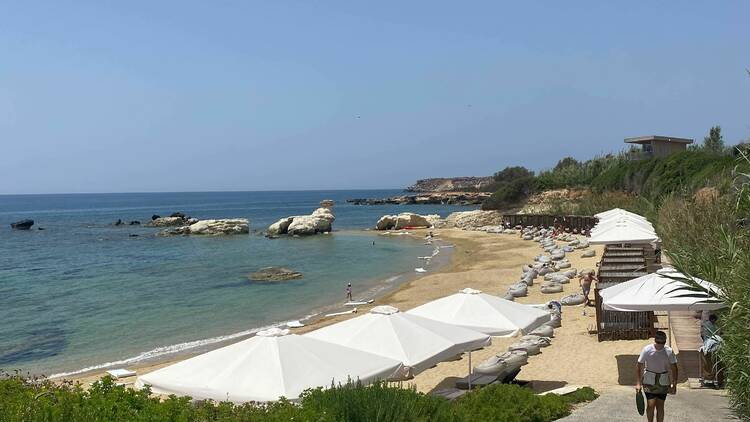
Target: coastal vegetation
column 699, row 202
column 29, row 399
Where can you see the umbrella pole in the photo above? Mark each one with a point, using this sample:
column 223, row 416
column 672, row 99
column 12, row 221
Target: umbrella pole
column 669, row 326
column 469, row 370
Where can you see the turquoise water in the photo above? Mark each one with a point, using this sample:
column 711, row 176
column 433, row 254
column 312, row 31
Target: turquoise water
column 84, row 293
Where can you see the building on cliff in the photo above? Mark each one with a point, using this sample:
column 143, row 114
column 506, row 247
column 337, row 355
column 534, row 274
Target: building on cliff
column 659, row 146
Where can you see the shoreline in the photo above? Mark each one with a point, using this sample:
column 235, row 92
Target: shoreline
column 379, row 289
column 492, row 262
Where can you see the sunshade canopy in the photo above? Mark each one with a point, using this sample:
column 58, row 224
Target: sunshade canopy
column 484, row 313
column 623, row 233
column 615, row 212
column 418, row 342
column 271, row 365
column 660, row 291
column 629, row 221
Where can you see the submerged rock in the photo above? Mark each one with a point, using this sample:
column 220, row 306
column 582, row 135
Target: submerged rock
column 22, row 225
column 275, row 274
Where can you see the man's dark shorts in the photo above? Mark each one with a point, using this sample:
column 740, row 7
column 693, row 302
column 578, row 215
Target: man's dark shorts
column 651, row 396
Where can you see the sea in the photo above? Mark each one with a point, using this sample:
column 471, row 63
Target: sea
column 85, row 294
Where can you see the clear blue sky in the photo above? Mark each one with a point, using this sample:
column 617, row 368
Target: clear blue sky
column 115, row 96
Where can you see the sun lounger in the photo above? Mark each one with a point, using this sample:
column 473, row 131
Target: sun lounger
column 449, row 393
column 477, row 380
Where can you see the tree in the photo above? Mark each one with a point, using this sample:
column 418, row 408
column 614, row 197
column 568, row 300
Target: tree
column 509, row 174
column 714, row 142
column 567, row 162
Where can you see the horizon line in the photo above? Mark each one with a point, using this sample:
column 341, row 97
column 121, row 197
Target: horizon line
column 199, row 191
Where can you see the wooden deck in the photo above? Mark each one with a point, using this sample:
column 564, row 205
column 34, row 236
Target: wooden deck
column 686, row 332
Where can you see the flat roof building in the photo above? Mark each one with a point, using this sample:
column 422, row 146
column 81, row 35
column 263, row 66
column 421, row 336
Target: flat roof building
column 659, row 146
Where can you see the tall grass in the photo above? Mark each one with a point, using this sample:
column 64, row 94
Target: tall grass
column 703, row 239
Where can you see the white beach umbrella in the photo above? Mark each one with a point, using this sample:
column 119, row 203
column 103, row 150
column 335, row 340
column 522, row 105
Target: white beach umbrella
column 623, row 233
column 659, row 291
column 271, row 365
column 418, row 342
column 484, row 313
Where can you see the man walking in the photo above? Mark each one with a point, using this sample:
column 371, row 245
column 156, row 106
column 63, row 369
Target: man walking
column 656, row 374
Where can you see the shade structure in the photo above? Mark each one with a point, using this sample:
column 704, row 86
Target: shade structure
column 271, row 365
column 623, row 233
column 485, row 313
column 417, row 342
column 624, row 220
column 659, row 291
column 615, row 212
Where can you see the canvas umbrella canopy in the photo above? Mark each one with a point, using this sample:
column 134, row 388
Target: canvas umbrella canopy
column 485, row 313
column 618, row 212
column 609, row 222
column 623, row 233
column 660, row 291
column 418, row 342
column 271, row 365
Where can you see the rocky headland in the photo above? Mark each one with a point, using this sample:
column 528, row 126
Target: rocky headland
column 444, row 198
column 320, row 221
column 451, row 184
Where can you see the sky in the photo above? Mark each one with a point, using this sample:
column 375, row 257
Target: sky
column 145, row 96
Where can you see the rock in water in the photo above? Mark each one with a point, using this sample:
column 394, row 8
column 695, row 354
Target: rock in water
column 320, row 221
column 22, row 225
column 214, row 227
column 275, row 274
column 168, row 222
column 280, row 227
column 406, row 219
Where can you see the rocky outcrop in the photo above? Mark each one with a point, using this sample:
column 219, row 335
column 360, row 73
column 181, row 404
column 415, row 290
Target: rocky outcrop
column 279, row 227
column 320, row 221
column 275, row 274
column 406, row 220
column 449, row 198
column 22, row 225
column 211, row 227
column 470, row 220
column 168, row 222
column 451, row 184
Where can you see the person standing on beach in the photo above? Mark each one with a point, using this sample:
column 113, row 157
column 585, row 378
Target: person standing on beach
column 656, row 374
column 349, row 292
column 585, row 283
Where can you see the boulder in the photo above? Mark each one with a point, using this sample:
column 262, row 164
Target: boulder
column 275, row 274
column 320, row 221
column 155, row 216
column 119, row 222
column 279, row 227
column 22, row 225
column 168, row 222
column 217, row 227
column 179, row 214
column 474, row 219
column 326, row 203
column 135, row 223
column 405, row 219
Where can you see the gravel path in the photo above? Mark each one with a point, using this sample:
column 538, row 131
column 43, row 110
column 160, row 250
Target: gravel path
column 686, row 405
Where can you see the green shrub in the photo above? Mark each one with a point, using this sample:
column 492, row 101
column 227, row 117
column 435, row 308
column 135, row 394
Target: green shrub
column 31, row 400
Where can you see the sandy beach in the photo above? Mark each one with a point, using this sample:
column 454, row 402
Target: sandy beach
column 491, row 262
